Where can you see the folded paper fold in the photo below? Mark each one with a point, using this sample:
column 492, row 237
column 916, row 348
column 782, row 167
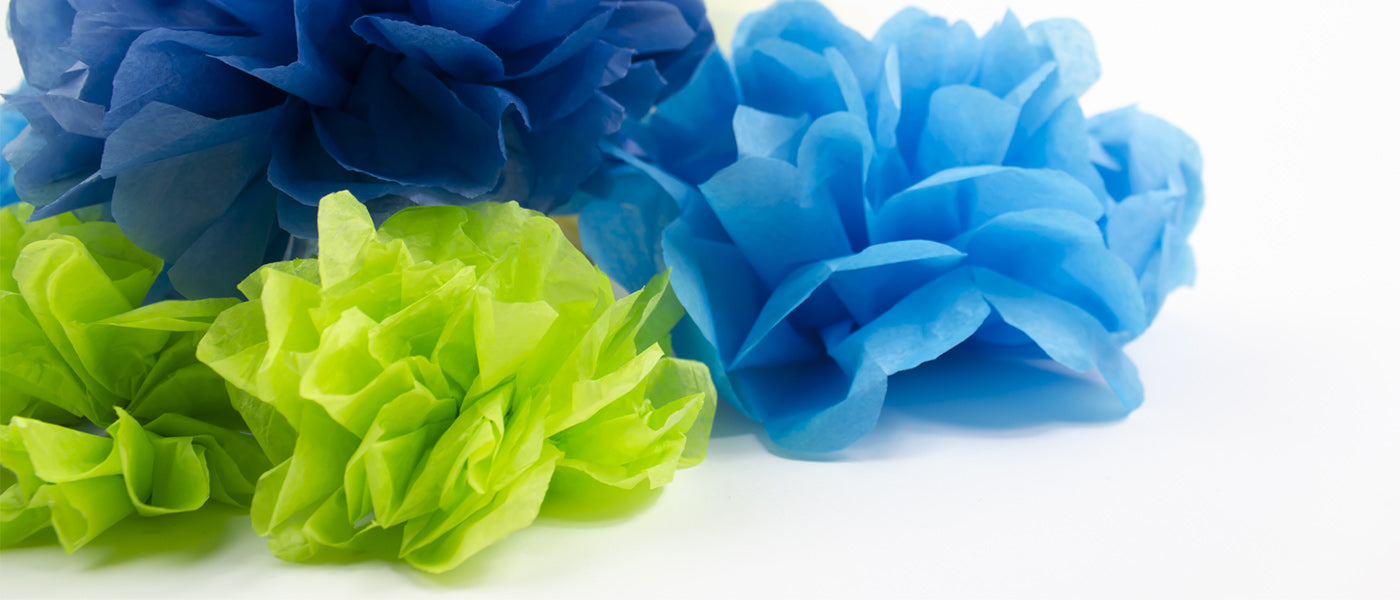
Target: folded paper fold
column 78, row 347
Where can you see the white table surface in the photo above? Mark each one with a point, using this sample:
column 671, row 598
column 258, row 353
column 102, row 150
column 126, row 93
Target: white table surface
column 1265, row 463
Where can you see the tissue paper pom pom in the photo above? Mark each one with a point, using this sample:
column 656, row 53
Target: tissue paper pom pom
column 82, row 484
column 422, row 386
column 75, row 342
column 11, row 124
column 74, row 348
column 208, row 124
column 864, row 206
column 1153, row 172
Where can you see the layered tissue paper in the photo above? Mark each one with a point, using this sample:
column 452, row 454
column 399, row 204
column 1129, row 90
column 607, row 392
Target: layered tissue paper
column 416, row 391
column 421, row 387
column 78, row 349
column 214, row 130
column 414, row 365
column 836, row 210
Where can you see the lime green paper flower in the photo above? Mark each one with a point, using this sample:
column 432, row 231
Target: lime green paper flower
column 76, row 346
column 81, row 484
column 421, row 387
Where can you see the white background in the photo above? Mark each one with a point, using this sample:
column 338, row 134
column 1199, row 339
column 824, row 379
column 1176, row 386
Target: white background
column 1265, row 463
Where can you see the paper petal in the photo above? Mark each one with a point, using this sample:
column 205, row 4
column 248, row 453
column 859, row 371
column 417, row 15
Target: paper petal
column 830, row 409
column 756, row 192
column 1066, row 333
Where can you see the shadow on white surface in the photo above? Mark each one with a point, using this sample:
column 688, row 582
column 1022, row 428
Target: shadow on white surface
column 980, row 392
column 180, row 538
column 588, row 506
column 961, row 394
column 729, row 422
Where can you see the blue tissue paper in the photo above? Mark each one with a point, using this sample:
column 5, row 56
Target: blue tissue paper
column 11, row 124
column 1152, row 170
column 836, row 210
column 214, row 127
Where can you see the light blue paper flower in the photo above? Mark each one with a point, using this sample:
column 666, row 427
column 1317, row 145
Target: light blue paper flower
column 864, row 206
column 215, row 126
column 1153, row 172
column 11, row 124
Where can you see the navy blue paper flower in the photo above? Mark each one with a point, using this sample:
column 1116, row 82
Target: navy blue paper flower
column 864, row 206
column 214, row 127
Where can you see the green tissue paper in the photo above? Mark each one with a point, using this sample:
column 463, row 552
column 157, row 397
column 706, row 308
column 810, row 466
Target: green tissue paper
column 79, row 352
column 421, row 387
